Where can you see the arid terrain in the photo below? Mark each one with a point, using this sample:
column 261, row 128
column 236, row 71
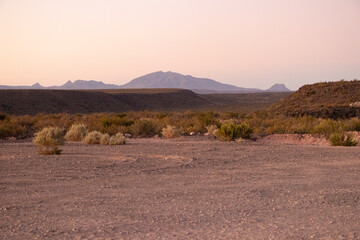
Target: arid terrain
column 32, row 102
column 187, row 188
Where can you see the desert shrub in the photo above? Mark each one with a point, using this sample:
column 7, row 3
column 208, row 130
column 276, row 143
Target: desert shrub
column 48, row 140
column 227, row 132
column 117, row 139
column 328, row 127
column 244, row 130
column 352, row 124
column 230, row 131
column 187, row 124
column 170, row 132
column 105, row 139
column 93, row 137
column 62, row 120
column 342, row 139
column 112, row 124
column 208, row 118
column 11, row 129
column 146, row 128
column 76, row 133
column 212, row 129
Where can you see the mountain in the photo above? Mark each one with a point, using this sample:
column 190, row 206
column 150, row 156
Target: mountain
column 176, row 80
column 278, row 88
column 159, row 80
column 34, row 86
column 324, row 100
column 82, row 84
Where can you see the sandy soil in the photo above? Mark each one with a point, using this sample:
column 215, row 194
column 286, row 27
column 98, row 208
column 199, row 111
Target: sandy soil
column 189, row 188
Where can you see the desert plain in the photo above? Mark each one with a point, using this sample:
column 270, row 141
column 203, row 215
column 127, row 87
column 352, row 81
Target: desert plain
column 193, row 187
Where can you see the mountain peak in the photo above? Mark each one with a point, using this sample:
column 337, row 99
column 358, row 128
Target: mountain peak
column 278, row 87
column 36, row 85
column 171, row 79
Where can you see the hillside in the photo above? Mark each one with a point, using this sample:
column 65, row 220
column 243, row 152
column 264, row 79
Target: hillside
column 75, row 101
column 20, row 102
column 325, row 100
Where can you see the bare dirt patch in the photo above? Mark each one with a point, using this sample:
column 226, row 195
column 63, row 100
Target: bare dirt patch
column 187, row 188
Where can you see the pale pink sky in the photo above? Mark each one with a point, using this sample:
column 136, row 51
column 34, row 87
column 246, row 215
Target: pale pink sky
column 248, row 43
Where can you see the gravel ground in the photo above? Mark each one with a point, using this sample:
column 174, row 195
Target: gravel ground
column 187, row 188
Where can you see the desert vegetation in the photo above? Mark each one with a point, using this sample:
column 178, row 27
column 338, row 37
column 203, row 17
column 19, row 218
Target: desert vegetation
column 49, row 139
column 76, row 133
column 225, row 125
column 170, row 132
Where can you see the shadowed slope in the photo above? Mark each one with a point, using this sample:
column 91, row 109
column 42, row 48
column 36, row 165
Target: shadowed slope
column 70, row 101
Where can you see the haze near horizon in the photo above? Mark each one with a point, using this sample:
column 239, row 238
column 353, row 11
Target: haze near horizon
column 244, row 43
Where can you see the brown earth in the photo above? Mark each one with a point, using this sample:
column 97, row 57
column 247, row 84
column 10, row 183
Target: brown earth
column 188, row 188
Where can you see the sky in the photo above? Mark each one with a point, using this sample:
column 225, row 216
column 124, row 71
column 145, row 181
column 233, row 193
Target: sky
column 247, row 43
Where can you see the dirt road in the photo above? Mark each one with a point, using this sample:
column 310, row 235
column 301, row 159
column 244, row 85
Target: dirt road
column 190, row 188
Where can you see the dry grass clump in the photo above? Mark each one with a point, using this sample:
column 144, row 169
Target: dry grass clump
column 93, row 137
column 105, row 139
column 212, row 129
column 96, row 137
column 170, row 132
column 117, row 139
column 76, row 133
column 48, row 140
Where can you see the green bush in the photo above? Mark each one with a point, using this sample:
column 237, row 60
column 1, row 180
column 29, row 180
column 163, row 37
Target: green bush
column 244, row 130
column 48, row 140
column 93, row 137
column 231, row 132
column 329, row 127
column 76, row 133
column 342, row 139
column 208, row 118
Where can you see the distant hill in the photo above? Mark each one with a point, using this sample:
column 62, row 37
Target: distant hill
column 20, row 102
column 325, row 100
column 159, row 80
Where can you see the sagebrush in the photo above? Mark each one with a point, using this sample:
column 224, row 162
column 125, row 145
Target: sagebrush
column 93, row 137
column 76, row 133
column 49, row 139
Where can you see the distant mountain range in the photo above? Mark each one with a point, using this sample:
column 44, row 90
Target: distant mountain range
column 160, row 80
